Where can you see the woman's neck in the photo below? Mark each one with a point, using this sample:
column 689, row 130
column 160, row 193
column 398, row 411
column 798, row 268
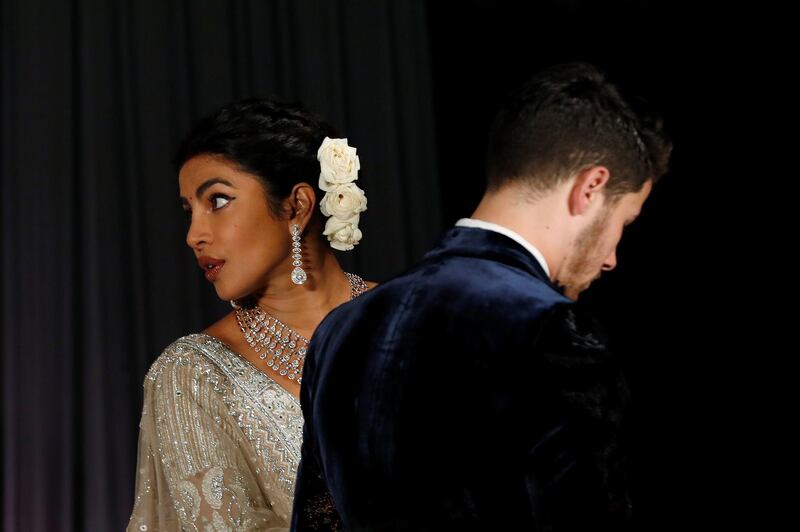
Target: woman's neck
column 302, row 307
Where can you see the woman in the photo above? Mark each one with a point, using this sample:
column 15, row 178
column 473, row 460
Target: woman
column 221, row 425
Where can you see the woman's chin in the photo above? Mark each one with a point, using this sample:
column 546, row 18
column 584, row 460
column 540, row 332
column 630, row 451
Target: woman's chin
column 230, row 295
column 222, row 293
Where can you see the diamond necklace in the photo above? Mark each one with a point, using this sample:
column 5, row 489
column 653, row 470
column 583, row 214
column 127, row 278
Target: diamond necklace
column 283, row 348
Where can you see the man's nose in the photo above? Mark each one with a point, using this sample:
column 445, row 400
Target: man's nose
column 611, row 262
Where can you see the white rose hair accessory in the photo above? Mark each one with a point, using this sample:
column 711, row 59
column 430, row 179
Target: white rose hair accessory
column 343, row 200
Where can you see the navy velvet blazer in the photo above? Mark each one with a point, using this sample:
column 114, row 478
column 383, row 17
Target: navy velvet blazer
column 467, row 393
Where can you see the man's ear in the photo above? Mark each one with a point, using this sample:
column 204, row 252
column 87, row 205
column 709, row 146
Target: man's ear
column 588, row 190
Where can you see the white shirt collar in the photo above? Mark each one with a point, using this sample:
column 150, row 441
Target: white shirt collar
column 513, row 235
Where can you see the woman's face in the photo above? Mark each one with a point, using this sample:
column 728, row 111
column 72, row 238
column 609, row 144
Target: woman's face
column 239, row 244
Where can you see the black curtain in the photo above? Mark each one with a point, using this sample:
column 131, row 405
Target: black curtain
column 96, row 277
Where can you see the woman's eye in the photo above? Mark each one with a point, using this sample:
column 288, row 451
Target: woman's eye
column 218, row 201
column 187, row 214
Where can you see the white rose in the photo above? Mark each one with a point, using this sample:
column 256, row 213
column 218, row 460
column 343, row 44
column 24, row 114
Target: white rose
column 338, row 163
column 342, row 234
column 343, row 201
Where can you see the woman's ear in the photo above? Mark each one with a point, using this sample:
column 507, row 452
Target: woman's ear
column 301, row 203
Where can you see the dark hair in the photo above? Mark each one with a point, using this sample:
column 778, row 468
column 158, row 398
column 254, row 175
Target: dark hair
column 568, row 118
column 273, row 140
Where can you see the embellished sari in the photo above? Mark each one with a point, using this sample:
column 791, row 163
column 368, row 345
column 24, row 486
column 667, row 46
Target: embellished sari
column 219, row 443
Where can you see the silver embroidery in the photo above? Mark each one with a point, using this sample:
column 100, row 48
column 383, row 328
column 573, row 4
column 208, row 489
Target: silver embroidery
column 219, row 523
column 212, row 487
column 190, row 498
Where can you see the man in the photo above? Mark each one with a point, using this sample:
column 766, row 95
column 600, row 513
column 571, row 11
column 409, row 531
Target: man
column 469, row 393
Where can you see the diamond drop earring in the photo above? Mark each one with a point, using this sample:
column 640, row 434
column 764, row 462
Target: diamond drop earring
column 298, row 274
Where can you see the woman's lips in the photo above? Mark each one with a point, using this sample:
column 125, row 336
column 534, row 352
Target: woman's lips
column 210, row 267
column 211, row 273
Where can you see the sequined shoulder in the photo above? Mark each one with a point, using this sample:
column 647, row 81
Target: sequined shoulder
column 189, row 350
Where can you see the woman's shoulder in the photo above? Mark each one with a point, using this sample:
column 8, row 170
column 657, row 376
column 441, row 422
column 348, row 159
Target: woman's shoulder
column 190, row 355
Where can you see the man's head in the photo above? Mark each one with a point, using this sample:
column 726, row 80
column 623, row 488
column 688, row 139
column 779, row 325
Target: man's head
column 571, row 146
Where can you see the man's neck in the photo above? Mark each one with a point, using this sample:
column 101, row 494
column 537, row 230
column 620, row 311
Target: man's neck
column 535, row 220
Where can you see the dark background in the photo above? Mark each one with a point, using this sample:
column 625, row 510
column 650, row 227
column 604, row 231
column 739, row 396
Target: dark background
column 97, row 280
